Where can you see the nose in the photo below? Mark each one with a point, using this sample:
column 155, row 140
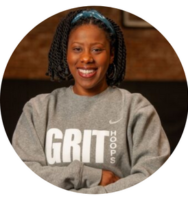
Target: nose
column 86, row 57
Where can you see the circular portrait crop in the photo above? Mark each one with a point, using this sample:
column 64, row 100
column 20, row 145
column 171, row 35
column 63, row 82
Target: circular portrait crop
column 98, row 100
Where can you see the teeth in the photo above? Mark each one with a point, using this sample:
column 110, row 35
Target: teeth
column 86, row 71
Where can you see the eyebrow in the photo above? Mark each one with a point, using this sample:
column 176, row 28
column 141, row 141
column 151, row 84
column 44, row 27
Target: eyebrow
column 91, row 43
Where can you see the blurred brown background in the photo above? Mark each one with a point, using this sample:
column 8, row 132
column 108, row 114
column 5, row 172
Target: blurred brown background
column 149, row 54
column 153, row 69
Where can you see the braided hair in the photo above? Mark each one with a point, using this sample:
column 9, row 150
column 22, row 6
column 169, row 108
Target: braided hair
column 58, row 66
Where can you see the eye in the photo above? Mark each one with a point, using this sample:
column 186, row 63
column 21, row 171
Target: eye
column 97, row 50
column 77, row 49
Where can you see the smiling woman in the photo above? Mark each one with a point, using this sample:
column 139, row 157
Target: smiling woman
column 89, row 57
column 91, row 137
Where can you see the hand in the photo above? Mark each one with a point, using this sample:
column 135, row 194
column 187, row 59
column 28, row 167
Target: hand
column 108, row 177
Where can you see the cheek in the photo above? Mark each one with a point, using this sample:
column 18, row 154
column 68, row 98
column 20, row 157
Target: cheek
column 105, row 62
column 71, row 63
column 71, row 58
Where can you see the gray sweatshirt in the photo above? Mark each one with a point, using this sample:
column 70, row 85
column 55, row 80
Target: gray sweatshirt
column 68, row 139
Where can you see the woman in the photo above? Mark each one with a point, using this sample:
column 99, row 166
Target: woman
column 91, row 137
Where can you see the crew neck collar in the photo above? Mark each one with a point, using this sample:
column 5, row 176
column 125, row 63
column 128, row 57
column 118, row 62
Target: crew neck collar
column 71, row 91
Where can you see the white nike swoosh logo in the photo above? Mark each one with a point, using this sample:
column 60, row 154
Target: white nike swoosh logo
column 114, row 122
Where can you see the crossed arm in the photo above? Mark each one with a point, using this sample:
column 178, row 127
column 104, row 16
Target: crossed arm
column 80, row 178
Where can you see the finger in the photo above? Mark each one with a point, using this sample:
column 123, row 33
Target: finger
column 116, row 178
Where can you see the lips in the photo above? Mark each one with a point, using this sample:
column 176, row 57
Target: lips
column 87, row 73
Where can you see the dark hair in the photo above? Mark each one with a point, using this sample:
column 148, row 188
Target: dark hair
column 58, row 67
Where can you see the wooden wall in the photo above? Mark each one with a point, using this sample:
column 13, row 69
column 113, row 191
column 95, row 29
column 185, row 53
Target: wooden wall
column 149, row 55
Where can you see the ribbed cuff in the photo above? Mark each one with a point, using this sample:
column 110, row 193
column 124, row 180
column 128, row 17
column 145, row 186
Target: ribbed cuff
column 91, row 177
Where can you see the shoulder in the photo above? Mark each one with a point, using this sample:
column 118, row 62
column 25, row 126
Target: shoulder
column 138, row 106
column 42, row 100
column 134, row 103
column 134, row 99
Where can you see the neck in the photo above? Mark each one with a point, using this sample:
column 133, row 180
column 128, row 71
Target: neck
column 88, row 91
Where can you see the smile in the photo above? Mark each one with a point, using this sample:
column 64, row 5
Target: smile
column 87, row 73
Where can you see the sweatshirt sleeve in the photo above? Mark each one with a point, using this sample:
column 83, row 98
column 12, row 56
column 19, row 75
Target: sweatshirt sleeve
column 149, row 147
column 29, row 145
column 149, row 150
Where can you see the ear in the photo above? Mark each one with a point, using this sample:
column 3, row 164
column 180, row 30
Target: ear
column 112, row 56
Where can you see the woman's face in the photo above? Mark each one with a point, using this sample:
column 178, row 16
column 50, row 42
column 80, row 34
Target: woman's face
column 88, row 57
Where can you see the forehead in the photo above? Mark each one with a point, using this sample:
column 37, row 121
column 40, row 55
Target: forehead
column 87, row 31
